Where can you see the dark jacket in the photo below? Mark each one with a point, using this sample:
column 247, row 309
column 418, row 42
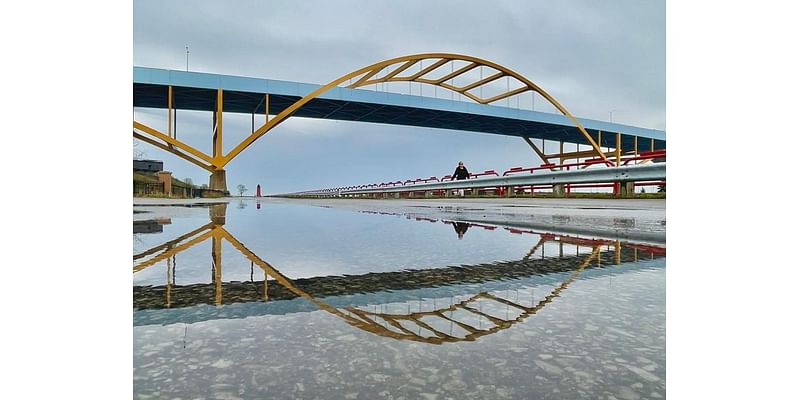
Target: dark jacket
column 461, row 173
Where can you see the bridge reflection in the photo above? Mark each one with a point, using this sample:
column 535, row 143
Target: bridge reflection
column 465, row 318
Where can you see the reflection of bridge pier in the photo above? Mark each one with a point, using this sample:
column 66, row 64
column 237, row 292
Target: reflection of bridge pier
column 217, row 214
column 216, row 267
column 170, row 281
column 589, row 255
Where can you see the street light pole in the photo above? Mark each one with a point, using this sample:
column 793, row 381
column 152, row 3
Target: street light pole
column 611, row 115
column 187, row 58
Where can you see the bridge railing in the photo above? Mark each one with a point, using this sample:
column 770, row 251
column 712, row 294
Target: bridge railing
column 502, row 186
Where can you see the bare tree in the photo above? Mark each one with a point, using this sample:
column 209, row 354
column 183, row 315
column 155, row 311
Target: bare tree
column 138, row 154
column 241, row 188
column 188, row 181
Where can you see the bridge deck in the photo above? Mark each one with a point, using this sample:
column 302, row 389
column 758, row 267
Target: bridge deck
column 197, row 91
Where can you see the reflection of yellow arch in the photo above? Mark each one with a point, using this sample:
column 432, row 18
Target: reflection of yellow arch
column 365, row 76
column 369, row 321
column 359, row 318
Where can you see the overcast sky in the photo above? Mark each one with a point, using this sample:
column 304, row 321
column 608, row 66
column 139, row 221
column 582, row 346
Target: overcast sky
column 593, row 57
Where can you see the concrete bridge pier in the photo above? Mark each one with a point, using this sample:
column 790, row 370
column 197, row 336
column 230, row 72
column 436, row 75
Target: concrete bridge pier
column 626, row 189
column 558, row 189
column 217, row 180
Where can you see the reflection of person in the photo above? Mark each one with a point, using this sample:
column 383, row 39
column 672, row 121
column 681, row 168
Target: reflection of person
column 460, row 173
column 461, row 228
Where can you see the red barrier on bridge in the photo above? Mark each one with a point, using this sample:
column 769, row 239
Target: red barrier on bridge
column 646, row 155
column 488, row 172
column 515, row 170
column 484, row 173
column 519, row 231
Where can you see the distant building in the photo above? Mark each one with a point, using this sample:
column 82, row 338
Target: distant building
column 151, row 225
column 147, row 166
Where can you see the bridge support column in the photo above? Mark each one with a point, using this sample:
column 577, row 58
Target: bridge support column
column 626, row 189
column 509, row 191
column 217, row 180
column 558, row 189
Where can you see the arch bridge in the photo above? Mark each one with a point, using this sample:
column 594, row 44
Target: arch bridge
column 342, row 99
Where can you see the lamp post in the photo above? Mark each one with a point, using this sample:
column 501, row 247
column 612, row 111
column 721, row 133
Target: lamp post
column 187, row 58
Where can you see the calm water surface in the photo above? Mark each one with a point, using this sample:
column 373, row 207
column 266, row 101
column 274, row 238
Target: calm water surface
column 281, row 301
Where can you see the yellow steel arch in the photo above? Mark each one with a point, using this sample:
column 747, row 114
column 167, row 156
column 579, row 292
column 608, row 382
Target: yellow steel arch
column 366, row 76
column 441, row 58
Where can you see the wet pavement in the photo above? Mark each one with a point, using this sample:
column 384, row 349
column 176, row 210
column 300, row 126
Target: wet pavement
column 398, row 300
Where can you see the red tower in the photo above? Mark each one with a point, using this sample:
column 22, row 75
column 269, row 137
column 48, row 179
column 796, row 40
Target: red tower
column 258, row 190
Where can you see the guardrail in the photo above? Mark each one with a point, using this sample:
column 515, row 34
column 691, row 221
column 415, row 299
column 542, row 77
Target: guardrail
column 596, row 179
column 609, row 176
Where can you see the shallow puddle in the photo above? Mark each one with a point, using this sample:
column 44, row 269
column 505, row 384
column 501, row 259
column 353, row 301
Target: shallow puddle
column 263, row 300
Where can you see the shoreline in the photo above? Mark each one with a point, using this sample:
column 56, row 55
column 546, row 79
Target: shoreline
column 625, row 219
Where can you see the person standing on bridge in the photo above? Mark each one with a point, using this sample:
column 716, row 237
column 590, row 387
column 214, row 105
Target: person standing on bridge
column 460, row 173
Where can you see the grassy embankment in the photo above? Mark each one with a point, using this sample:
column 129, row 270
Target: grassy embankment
column 139, row 177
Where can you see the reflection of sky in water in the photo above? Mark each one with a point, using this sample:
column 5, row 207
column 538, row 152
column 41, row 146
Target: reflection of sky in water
column 303, row 241
column 603, row 336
